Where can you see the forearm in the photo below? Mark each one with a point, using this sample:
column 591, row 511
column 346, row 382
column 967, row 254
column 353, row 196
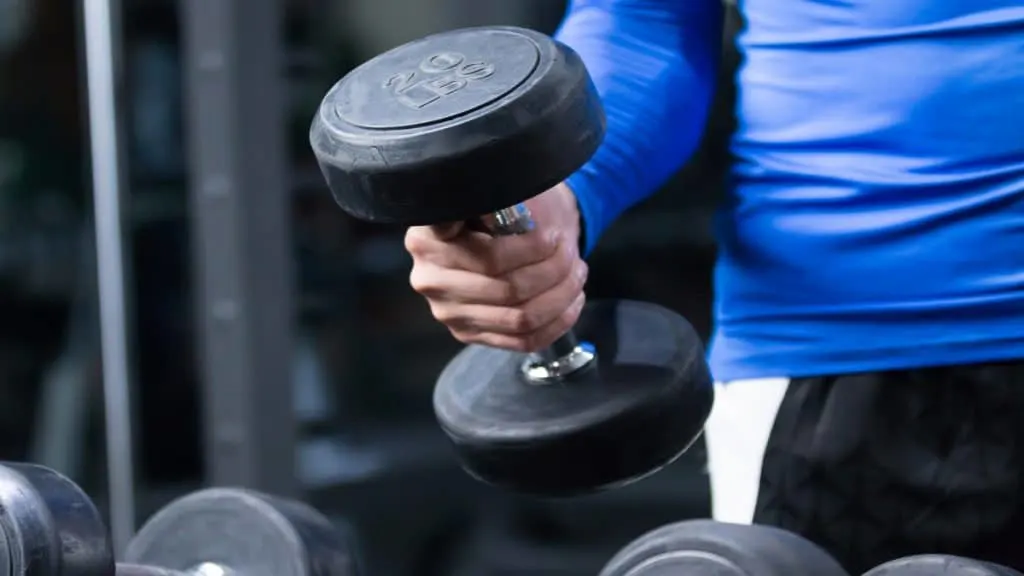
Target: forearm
column 654, row 63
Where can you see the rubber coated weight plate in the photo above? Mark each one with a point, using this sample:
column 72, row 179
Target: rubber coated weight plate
column 709, row 548
column 385, row 94
column 456, row 125
column 246, row 532
column 49, row 526
column 6, row 565
column 935, row 564
column 636, row 410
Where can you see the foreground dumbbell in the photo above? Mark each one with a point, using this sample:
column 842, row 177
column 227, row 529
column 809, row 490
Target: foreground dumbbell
column 460, row 126
column 49, row 527
column 706, row 547
column 933, row 564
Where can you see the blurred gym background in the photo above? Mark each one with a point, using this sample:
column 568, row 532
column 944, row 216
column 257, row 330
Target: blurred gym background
column 238, row 301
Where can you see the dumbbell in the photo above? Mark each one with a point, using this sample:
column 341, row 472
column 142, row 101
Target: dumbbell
column 932, row 564
column 706, row 548
column 465, row 126
column 50, row 527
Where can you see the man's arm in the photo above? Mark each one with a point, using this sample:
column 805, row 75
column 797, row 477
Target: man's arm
column 654, row 63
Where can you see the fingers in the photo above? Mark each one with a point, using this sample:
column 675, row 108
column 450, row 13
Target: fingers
column 479, row 252
column 513, row 288
column 513, row 292
column 445, row 232
column 527, row 326
column 529, row 342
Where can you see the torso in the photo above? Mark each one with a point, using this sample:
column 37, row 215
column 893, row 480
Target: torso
column 876, row 216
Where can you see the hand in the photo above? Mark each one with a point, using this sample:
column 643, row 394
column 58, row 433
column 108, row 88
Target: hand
column 514, row 292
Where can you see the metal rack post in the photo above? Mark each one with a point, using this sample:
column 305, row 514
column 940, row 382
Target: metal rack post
column 240, row 213
column 101, row 20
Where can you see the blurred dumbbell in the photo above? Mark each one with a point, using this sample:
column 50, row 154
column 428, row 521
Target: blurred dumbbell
column 50, row 527
column 935, row 564
column 706, row 548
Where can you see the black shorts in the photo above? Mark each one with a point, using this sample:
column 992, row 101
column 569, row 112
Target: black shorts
column 881, row 465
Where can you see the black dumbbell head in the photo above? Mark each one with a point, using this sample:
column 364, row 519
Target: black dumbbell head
column 456, row 125
column 721, row 549
column 244, row 532
column 48, row 525
column 633, row 411
column 935, row 564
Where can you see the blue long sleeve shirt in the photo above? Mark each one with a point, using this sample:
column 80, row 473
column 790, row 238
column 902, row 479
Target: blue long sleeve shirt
column 875, row 216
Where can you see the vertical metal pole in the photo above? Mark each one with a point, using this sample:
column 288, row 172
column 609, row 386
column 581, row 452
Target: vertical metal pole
column 101, row 60
column 241, row 216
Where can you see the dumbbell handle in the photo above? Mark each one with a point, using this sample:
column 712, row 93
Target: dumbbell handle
column 567, row 354
column 205, row 569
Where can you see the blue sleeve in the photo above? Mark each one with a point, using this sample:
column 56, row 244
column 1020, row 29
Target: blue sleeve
column 654, row 62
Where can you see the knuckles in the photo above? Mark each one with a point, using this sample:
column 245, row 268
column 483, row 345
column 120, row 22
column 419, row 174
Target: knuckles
column 416, row 242
column 422, row 281
column 463, row 336
column 445, row 316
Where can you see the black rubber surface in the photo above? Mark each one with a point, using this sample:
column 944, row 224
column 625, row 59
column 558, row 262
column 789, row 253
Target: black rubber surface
column 456, row 125
column 249, row 533
column 49, row 526
column 637, row 410
column 709, row 548
column 940, row 565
